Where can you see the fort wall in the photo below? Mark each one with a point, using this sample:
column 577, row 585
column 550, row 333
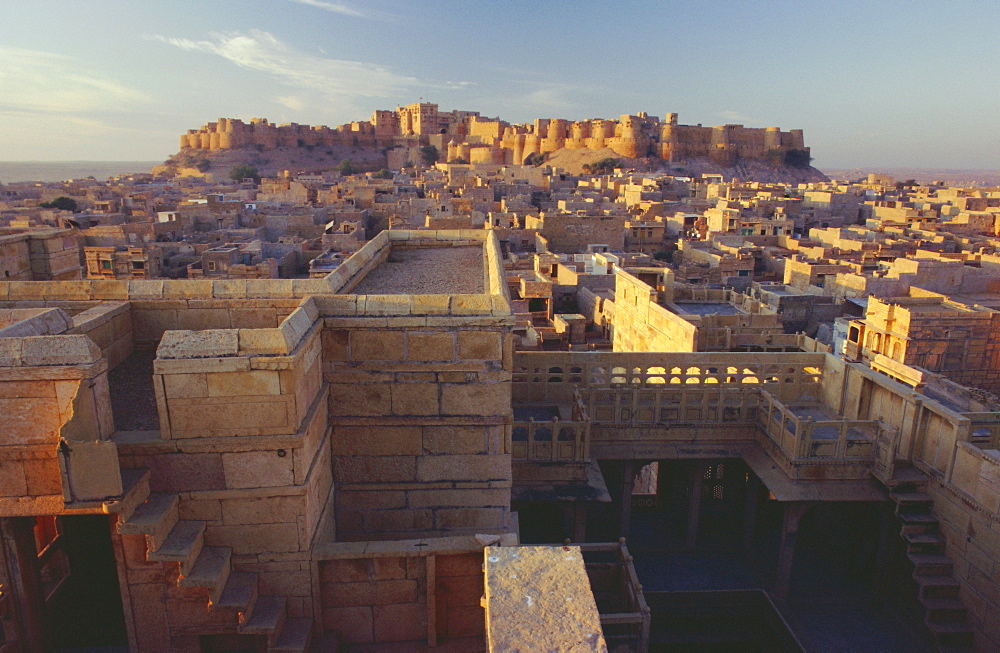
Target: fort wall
column 470, row 137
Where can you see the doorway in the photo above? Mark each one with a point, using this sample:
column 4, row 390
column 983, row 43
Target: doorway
column 69, row 596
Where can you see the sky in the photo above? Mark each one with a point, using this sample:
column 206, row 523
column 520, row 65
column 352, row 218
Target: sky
column 873, row 83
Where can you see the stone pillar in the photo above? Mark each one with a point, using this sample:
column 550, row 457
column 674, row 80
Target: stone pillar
column 750, row 510
column 786, row 549
column 695, row 490
column 888, row 536
column 580, row 522
column 628, row 482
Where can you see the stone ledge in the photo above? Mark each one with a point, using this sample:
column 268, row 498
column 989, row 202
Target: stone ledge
column 407, row 548
column 539, row 598
column 48, row 352
column 210, row 343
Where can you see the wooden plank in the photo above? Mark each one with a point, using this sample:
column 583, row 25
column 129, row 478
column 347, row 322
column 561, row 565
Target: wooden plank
column 430, row 566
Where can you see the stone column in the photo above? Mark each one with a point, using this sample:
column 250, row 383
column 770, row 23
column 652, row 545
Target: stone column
column 580, row 522
column 887, row 538
column 695, row 490
column 750, row 510
column 628, row 482
column 793, row 512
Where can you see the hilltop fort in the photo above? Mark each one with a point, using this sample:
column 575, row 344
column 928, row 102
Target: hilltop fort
column 468, row 137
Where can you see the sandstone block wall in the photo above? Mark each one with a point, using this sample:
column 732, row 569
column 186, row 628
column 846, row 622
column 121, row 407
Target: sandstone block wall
column 968, row 511
column 572, row 233
column 15, row 265
column 264, row 399
column 642, row 325
column 109, row 325
column 244, row 443
column 419, row 401
column 395, row 598
column 54, row 389
column 420, row 428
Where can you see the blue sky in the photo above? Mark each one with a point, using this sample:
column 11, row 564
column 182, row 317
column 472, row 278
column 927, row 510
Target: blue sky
column 876, row 83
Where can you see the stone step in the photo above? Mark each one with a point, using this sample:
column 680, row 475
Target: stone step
column 950, row 633
column 211, row 570
column 930, row 564
column 328, row 643
column 135, row 490
column 182, row 545
column 924, row 542
column 154, row 518
column 267, row 618
column 944, row 610
column 936, row 587
column 239, row 594
column 907, row 479
column 915, row 514
column 917, row 521
column 911, row 498
column 295, row 637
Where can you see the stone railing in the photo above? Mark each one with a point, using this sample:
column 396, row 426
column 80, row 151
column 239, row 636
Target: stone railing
column 804, row 437
column 554, row 440
column 984, row 429
column 616, row 587
column 674, row 403
column 552, row 376
column 724, row 398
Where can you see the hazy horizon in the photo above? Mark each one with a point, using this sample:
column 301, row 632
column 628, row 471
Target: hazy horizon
column 52, row 171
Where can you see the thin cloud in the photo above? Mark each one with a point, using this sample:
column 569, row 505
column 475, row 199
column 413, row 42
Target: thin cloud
column 261, row 51
column 32, row 80
column 334, row 7
column 291, row 102
column 735, row 117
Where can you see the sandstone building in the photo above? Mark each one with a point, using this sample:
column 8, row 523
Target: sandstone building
column 264, row 463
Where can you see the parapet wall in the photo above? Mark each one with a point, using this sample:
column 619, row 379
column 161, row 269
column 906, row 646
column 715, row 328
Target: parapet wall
column 420, row 400
column 642, row 325
column 55, row 448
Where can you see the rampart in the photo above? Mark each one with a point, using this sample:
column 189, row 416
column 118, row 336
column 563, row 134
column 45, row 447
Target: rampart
column 467, row 136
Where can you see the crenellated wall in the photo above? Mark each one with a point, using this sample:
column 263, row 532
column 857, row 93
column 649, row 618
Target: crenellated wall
column 475, row 139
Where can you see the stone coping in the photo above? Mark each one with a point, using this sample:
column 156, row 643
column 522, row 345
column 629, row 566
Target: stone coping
column 37, row 351
column 990, row 455
column 224, row 343
column 98, row 315
column 336, row 281
column 34, row 322
column 538, row 598
column 410, row 548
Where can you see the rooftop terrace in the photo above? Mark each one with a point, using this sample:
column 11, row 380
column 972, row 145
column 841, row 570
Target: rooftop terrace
column 438, row 270
column 710, row 308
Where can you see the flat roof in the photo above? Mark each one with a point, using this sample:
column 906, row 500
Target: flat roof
column 931, row 308
column 426, row 271
column 702, row 308
column 990, row 300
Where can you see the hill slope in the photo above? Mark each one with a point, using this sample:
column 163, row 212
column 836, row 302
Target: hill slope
column 271, row 162
column 572, row 161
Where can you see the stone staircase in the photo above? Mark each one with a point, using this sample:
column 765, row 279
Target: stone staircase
column 945, row 615
column 205, row 572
